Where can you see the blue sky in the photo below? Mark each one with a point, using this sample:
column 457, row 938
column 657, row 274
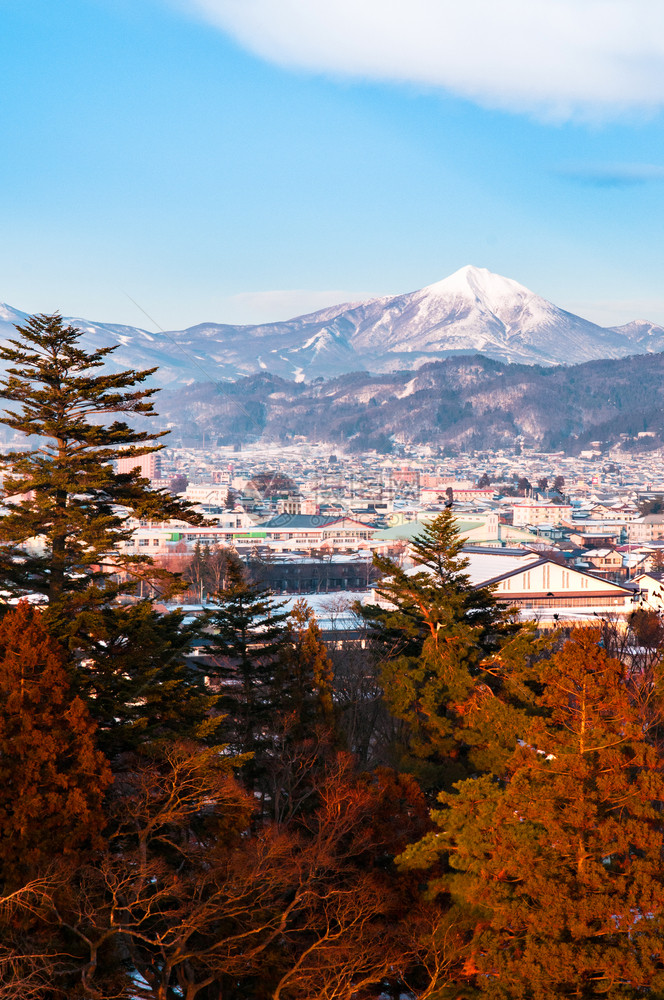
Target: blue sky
column 246, row 160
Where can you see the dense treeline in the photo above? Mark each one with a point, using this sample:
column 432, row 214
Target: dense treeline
column 459, row 809
column 457, row 404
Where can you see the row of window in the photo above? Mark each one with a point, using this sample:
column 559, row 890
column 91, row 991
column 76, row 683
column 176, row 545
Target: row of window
column 524, row 582
column 568, row 602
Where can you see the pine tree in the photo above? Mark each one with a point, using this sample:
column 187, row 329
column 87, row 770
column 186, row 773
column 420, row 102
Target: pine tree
column 137, row 682
column 555, row 860
column 436, row 636
column 64, row 492
column 52, row 777
column 303, row 725
column 437, row 598
column 250, row 634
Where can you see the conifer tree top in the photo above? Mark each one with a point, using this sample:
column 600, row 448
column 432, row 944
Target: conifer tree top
column 64, row 491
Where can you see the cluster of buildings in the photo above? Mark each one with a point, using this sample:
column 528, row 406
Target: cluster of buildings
column 558, row 538
column 561, row 539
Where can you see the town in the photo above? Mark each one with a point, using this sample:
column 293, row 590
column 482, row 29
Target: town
column 564, row 540
column 332, row 500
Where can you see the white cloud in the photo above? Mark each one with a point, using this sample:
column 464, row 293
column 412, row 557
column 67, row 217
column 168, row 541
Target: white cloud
column 270, row 307
column 557, row 58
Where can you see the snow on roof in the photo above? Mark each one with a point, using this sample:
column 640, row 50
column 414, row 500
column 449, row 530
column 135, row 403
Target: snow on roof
column 325, row 605
column 487, row 565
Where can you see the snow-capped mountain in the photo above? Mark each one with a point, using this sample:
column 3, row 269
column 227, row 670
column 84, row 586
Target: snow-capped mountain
column 473, row 311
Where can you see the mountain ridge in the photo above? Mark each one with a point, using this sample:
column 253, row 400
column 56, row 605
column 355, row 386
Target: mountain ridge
column 471, row 311
column 454, row 405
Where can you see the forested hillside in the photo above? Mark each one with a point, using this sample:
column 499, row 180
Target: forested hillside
column 455, row 404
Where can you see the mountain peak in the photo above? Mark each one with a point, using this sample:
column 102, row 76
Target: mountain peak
column 477, row 283
column 473, row 311
column 9, row 315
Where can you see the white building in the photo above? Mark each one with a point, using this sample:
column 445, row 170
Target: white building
column 459, row 495
column 538, row 512
column 544, row 591
column 647, row 529
column 553, row 593
column 207, row 494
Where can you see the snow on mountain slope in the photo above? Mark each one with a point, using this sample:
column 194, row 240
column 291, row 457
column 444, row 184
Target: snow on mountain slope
column 646, row 337
column 8, row 317
column 476, row 311
column 473, row 311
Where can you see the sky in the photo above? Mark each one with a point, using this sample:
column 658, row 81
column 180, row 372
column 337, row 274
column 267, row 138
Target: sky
column 242, row 161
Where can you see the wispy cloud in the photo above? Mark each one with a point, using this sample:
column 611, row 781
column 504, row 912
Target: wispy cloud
column 613, row 174
column 557, row 58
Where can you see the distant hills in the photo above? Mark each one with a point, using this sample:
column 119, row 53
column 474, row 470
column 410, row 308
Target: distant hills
column 472, row 311
column 453, row 405
column 473, row 361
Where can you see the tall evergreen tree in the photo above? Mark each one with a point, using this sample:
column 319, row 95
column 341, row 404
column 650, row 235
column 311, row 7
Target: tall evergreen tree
column 305, row 676
column 64, row 492
column 436, row 635
column 250, row 635
column 66, row 510
column 138, row 683
column 438, row 597
column 555, row 858
column 303, row 730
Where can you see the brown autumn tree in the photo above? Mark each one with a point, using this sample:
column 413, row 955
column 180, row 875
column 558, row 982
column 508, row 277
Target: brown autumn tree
column 189, row 902
column 143, row 915
column 27, row 963
column 555, row 861
column 52, row 777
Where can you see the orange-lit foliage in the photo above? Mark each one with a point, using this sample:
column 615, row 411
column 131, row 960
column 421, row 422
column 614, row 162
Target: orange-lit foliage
column 556, row 861
column 52, row 778
column 206, row 909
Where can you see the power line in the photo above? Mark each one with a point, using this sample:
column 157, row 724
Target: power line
column 194, row 360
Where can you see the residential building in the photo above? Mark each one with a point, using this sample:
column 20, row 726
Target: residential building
column 148, row 466
column 539, row 512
